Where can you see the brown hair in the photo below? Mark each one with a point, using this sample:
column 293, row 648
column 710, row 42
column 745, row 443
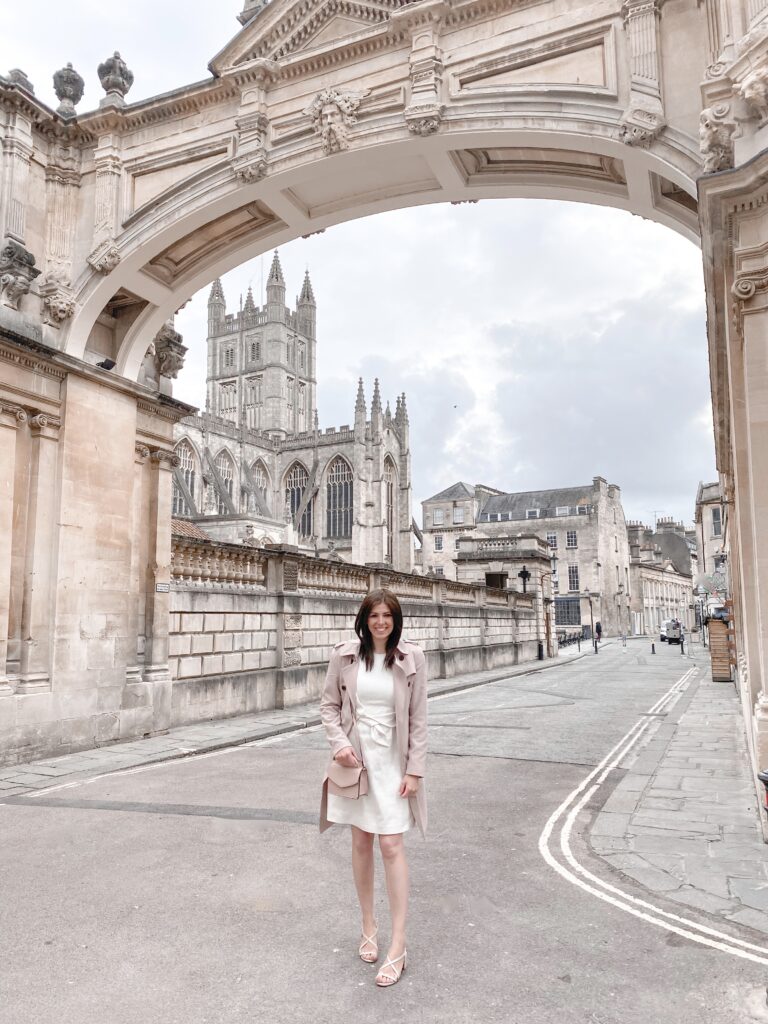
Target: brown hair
column 361, row 626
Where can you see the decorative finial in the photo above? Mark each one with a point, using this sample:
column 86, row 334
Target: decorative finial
column 115, row 79
column 69, row 88
column 360, row 403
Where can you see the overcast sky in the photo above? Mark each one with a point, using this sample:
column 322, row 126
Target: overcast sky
column 539, row 343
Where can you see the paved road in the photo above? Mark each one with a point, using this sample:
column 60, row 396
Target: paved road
column 200, row 890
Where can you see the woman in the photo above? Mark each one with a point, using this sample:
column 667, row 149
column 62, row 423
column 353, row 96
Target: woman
column 374, row 709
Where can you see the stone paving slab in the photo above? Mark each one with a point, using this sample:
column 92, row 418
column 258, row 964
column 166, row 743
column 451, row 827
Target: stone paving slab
column 200, row 737
column 689, row 828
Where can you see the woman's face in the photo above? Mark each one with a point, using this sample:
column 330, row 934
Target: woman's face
column 380, row 621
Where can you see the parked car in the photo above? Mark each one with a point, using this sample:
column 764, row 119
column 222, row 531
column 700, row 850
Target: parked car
column 674, row 632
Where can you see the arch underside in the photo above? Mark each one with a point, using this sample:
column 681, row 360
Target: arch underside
column 178, row 243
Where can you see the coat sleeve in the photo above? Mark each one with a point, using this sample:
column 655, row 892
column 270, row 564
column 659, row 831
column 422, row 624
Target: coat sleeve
column 417, row 720
column 330, row 706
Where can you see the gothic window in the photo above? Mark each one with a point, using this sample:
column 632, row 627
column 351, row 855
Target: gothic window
column 302, row 405
column 261, row 479
column 228, row 401
column 255, row 351
column 295, row 485
column 188, row 469
column 229, row 357
column 301, row 357
column 339, row 491
column 289, row 389
column 290, row 351
column 226, row 471
column 254, row 398
column 390, row 504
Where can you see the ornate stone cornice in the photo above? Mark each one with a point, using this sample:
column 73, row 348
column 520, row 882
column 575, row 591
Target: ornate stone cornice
column 105, row 257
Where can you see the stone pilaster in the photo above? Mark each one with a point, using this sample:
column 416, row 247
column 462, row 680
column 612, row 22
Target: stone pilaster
column 11, row 418
column 134, row 667
column 644, row 117
column 62, row 178
column 17, row 155
column 36, row 611
column 424, row 110
column 158, row 584
column 105, row 256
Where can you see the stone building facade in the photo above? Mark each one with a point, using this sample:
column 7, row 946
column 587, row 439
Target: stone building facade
column 584, row 528
column 255, row 468
column 662, row 568
column 712, row 542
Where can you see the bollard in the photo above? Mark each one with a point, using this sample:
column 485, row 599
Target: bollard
column 578, row 643
column 682, row 645
column 596, row 648
column 653, row 648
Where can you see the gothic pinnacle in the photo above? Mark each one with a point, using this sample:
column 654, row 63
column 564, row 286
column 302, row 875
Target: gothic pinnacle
column 276, row 271
column 217, row 292
column 307, row 295
column 250, row 305
column 376, row 400
column 360, row 403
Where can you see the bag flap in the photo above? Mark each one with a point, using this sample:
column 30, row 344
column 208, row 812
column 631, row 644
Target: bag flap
column 342, row 776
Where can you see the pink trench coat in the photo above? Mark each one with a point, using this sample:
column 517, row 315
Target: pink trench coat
column 337, row 711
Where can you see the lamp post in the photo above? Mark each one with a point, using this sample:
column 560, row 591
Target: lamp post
column 589, row 595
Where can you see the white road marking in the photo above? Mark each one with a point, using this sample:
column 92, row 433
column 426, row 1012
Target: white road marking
column 587, row 881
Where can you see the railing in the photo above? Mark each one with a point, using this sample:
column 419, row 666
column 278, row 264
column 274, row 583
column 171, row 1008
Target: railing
column 317, row 574
column 210, row 563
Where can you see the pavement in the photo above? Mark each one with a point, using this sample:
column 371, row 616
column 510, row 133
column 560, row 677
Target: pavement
column 190, row 882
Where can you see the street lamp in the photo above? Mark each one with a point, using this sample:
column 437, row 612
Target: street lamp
column 589, row 595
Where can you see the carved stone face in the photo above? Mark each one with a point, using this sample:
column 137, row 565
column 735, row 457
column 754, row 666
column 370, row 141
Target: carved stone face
column 330, row 115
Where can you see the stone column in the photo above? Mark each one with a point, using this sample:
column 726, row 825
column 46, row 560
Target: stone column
column 39, row 584
column 134, row 667
column 11, row 418
column 158, row 584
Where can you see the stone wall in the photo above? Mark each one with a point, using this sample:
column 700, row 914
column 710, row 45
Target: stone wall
column 236, row 647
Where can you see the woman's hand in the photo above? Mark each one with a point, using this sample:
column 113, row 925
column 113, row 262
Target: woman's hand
column 410, row 785
column 346, row 757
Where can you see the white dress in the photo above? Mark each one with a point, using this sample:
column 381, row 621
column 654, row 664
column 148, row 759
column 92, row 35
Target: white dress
column 382, row 810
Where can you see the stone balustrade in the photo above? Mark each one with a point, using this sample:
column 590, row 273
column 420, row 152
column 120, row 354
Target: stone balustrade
column 254, row 628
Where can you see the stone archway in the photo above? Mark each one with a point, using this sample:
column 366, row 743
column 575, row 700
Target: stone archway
column 319, row 112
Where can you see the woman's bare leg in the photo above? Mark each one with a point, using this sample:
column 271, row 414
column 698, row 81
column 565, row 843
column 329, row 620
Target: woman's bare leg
column 362, row 869
column 396, row 872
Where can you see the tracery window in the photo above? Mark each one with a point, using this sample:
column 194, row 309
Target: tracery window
column 226, row 471
column 261, row 479
column 339, row 499
column 228, row 400
column 295, row 485
column 390, row 505
column 188, row 469
column 254, row 399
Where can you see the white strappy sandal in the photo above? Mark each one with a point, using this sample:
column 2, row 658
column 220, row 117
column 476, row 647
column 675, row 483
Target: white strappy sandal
column 370, row 956
column 391, row 979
